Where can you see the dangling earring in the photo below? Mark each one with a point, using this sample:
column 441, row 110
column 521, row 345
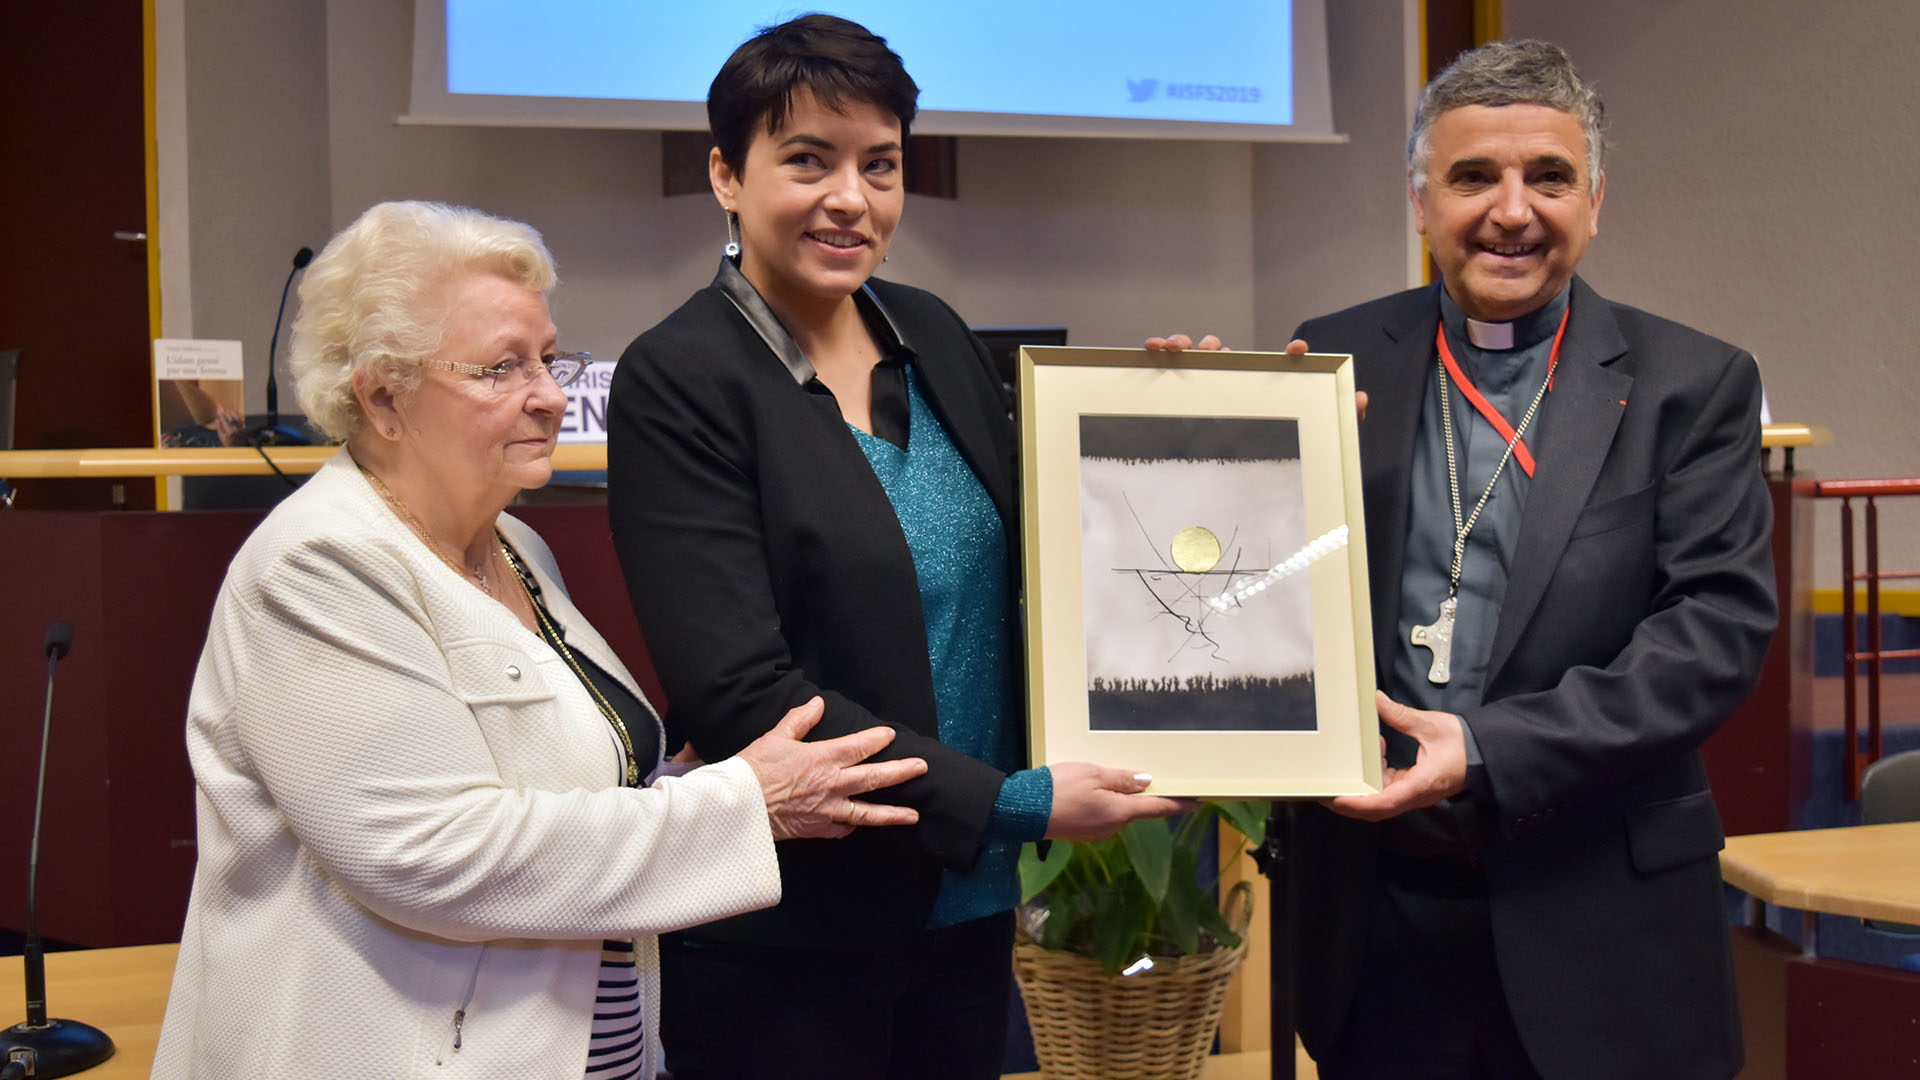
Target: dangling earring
column 732, row 249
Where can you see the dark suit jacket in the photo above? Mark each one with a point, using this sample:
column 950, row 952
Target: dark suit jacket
column 1638, row 606
column 766, row 566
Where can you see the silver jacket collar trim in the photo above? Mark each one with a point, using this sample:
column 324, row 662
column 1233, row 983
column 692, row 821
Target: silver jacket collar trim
column 753, row 308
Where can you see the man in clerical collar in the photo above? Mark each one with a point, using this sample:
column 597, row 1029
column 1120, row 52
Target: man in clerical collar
column 1568, row 536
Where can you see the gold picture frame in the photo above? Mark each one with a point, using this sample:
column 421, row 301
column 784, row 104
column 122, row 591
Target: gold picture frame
column 1195, row 570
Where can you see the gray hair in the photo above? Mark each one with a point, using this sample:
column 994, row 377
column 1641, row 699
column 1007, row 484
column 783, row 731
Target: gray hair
column 376, row 298
column 1508, row 73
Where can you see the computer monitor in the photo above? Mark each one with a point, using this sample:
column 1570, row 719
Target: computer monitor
column 1003, row 344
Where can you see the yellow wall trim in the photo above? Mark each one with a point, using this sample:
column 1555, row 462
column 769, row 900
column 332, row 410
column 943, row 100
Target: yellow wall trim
column 152, row 123
column 1488, row 22
column 1892, row 601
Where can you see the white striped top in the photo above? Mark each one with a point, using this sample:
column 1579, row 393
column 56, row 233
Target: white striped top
column 618, row 1042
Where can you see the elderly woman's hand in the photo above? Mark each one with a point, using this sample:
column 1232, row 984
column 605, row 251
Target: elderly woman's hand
column 809, row 785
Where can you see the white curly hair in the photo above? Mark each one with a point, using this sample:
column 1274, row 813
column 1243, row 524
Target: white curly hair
column 375, row 299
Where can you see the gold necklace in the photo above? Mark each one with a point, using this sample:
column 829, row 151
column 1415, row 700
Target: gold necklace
column 549, row 632
column 560, row 646
column 406, row 515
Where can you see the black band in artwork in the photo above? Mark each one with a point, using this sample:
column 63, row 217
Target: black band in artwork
column 1189, row 438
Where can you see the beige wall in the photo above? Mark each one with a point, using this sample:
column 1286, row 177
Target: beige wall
column 289, row 132
column 250, row 145
column 1762, row 189
column 1759, row 189
column 1332, row 224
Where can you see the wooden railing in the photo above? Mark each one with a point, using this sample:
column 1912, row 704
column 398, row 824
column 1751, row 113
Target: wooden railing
column 216, row 461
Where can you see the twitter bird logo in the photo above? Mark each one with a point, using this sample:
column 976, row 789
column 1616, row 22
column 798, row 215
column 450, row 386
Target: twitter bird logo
column 1142, row 89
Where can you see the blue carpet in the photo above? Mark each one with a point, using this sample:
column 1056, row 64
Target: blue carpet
column 1825, row 806
column 1896, row 632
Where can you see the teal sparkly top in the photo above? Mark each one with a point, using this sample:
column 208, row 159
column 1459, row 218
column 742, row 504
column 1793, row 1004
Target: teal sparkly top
column 960, row 562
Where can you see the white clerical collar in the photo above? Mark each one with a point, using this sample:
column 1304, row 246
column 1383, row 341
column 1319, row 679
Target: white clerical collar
column 1490, row 335
column 1521, row 333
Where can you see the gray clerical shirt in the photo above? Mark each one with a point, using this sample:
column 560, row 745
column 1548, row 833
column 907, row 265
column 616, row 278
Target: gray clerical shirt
column 1508, row 379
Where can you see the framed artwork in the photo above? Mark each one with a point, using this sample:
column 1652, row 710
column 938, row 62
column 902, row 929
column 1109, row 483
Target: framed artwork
column 1195, row 565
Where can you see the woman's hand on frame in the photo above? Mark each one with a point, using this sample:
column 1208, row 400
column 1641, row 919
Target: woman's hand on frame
column 1095, row 801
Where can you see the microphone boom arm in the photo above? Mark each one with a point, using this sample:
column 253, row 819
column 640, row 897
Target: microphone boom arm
column 44, row 1048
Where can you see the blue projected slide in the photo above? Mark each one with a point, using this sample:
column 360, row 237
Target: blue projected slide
column 1211, row 61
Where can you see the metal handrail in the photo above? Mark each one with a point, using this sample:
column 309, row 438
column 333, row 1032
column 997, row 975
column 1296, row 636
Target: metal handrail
column 1873, row 656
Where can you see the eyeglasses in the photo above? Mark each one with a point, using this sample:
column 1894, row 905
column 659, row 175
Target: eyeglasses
column 510, row 374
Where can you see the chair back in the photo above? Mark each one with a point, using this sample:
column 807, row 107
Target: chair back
column 1889, row 793
column 1890, row 790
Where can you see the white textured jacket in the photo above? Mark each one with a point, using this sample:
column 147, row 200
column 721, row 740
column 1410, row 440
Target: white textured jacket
column 412, row 838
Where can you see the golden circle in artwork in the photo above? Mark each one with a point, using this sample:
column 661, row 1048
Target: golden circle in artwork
column 1195, row 549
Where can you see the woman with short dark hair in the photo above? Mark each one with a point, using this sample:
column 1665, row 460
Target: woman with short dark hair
column 812, row 487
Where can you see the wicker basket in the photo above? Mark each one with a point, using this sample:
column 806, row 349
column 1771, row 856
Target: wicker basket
column 1155, row 1025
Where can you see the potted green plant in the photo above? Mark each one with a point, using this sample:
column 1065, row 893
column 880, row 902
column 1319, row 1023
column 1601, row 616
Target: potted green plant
column 1124, row 955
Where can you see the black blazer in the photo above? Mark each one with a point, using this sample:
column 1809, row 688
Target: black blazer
column 1638, row 607
column 766, row 566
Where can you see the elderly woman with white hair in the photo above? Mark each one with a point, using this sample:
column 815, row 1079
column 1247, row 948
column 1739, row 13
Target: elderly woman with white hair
column 427, row 840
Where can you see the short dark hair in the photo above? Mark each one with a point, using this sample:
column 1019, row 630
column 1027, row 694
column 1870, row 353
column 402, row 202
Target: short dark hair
column 833, row 58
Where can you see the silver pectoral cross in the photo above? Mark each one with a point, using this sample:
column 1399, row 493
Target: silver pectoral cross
column 1438, row 636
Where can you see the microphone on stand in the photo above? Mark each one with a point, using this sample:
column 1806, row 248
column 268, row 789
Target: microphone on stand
column 274, row 433
column 48, row 1048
